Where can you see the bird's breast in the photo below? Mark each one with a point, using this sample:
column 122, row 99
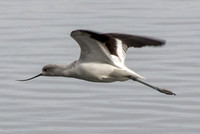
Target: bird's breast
column 95, row 72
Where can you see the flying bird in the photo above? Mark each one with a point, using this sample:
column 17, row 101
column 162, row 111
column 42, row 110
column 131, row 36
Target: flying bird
column 102, row 58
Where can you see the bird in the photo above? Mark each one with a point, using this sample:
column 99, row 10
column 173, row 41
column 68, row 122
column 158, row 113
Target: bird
column 102, row 58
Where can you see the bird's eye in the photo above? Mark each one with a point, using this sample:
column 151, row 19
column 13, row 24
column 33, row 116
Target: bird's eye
column 45, row 69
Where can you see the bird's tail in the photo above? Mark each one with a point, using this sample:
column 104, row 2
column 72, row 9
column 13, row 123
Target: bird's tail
column 134, row 74
column 137, row 76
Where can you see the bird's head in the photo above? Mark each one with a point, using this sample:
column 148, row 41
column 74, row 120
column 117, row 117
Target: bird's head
column 48, row 70
column 51, row 70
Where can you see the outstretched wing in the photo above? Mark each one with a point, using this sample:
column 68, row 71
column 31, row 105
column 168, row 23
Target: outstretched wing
column 92, row 46
column 118, row 44
column 109, row 47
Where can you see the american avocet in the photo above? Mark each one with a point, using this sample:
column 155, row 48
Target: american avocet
column 102, row 58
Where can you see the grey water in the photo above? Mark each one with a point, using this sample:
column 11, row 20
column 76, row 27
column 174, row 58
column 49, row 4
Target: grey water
column 34, row 33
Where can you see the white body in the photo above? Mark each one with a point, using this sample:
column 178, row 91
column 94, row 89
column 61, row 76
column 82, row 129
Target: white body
column 98, row 72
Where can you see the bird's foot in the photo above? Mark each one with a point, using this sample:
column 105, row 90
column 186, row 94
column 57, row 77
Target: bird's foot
column 165, row 91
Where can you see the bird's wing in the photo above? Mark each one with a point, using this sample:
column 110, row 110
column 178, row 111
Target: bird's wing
column 109, row 47
column 92, row 46
column 124, row 41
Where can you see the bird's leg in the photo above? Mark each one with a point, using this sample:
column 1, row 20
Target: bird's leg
column 165, row 91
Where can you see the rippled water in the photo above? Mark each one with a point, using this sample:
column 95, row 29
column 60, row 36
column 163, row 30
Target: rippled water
column 34, row 33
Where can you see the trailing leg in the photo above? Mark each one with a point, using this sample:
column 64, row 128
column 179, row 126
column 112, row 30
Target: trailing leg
column 165, row 91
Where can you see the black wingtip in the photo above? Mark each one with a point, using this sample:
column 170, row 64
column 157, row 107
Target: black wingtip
column 162, row 42
column 154, row 42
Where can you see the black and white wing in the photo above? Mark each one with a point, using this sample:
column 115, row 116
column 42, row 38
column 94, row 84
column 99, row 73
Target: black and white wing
column 119, row 43
column 110, row 47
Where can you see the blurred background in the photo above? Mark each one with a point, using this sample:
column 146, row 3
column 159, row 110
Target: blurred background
column 34, row 33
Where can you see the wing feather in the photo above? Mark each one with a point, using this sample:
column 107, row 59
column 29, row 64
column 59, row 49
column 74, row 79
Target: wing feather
column 102, row 47
column 136, row 40
column 92, row 46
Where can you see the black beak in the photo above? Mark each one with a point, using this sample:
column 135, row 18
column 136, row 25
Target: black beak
column 31, row 77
